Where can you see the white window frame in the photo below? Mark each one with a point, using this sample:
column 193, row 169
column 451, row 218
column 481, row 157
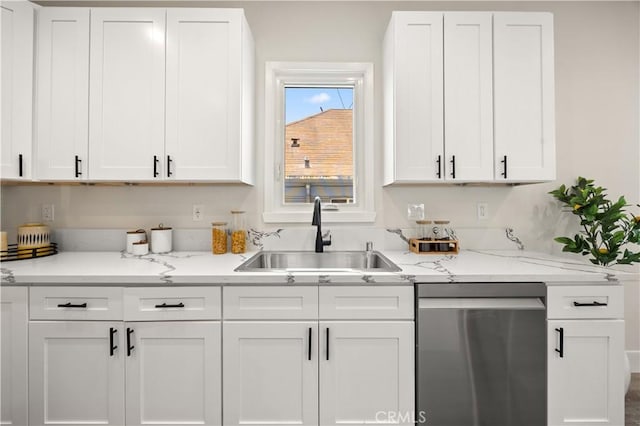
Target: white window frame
column 281, row 74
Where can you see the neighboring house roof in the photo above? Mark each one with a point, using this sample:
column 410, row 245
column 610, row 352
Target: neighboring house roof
column 326, row 139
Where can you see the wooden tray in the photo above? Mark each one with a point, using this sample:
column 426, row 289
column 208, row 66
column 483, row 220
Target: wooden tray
column 432, row 246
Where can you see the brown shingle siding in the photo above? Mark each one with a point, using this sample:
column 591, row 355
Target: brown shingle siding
column 326, row 139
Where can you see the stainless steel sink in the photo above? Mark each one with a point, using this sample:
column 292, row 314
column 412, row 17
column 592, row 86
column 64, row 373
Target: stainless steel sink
column 309, row 261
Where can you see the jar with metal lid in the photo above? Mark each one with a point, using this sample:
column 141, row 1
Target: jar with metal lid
column 441, row 233
column 219, row 237
column 238, row 232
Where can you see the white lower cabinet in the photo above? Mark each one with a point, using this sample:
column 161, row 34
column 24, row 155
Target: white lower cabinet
column 270, row 373
column 103, row 370
column 74, row 375
column 324, row 368
column 585, row 355
column 13, row 360
column 586, row 372
column 173, row 373
column 366, row 372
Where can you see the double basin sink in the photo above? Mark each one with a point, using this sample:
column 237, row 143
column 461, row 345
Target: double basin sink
column 308, row 261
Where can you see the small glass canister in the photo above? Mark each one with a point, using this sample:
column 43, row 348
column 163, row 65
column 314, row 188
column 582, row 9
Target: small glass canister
column 423, row 230
column 442, row 234
column 238, row 232
column 219, row 237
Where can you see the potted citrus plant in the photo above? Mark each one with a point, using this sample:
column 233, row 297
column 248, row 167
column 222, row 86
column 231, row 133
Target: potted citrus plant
column 608, row 232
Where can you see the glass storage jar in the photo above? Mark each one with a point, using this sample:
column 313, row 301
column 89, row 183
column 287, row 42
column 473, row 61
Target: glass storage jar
column 219, row 237
column 238, row 232
column 423, row 229
column 442, row 234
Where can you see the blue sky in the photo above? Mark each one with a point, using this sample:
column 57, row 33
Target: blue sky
column 301, row 102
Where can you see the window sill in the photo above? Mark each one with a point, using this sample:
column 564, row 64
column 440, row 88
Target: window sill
column 327, row 217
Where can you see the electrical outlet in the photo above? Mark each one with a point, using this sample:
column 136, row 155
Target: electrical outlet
column 198, row 212
column 47, row 212
column 483, row 211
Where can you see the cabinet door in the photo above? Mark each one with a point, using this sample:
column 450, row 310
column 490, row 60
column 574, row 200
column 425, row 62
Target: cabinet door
column 173, row 373
column 524, row 97
column 417, row 96
column 126, row 106
column 17, row 88
column 74, row 375
column 366, row 372
column 204, row 75
column 13, row 356
column 63, row 93
column 468, row 96
column 586, row 381
column 271, row 373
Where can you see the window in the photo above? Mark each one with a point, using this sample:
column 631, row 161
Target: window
column 318, row 141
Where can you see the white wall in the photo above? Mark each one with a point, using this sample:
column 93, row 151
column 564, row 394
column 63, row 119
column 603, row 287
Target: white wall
column 597, row 51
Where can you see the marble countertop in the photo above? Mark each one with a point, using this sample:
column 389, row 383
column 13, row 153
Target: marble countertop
column 204, row 268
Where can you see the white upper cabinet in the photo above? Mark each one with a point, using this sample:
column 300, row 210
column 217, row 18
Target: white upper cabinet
column 524, row 96
column 144, row 94
column 126, row 103
column 468, row 108
column 469, row 97
column 413, row 92
column 17, row 89
column 209, row 95
column 62, row 94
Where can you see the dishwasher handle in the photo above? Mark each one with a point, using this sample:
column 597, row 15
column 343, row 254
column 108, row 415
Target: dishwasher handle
column 512, row 303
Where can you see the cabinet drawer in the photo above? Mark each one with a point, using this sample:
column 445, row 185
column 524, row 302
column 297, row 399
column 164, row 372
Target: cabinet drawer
column 174, row 303
column 585, row 301
column 75, row 303
column 366, row 303
column 270, row 303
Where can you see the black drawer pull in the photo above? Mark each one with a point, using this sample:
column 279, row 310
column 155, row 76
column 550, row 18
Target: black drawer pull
column 327, row 343
column 561, row 349
column 439, row 163
column 169, row 161
column 504, row 169
column 129, row 345
column 309, row 352
column 20, row 171
column 112, row 347
column 177, row 305
column 69, row 305
column 453, row 166
column 155, row 166
column 594, row 303
column 78, row 161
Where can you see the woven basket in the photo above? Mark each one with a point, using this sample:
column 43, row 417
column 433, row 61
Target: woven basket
column 33, row 235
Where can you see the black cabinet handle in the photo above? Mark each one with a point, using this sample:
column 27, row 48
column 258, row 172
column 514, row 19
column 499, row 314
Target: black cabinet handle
column 327, row 343
column 439, row 163
column 453, row 166
column 112, row 347
column 169, row 161
column 561, row 349
column 177, row 305
column 504, row 167
column 69, row 305
column 155, row 166
column 309, row 351
column 594, row 303
column 20, row 165
column 78, row 162
column 129, row 345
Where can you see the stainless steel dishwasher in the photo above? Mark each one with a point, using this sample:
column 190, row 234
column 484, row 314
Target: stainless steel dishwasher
column 481, row 354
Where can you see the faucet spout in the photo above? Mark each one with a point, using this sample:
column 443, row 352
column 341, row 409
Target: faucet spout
column 317, row 221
